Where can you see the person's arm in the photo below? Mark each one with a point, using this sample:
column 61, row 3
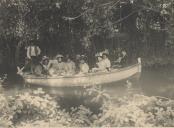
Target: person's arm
column 39, row 50
column 80, row 69
column 50, row 64
column 118, row 60
column 108, row 65
column 87, row 68
column 28, row 53
column 38, row 70
column 74, row 67
column 66, row 68
column 20, row 70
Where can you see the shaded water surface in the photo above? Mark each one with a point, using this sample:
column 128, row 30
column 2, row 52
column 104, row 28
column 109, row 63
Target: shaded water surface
column 158, row 81
column 153, row 82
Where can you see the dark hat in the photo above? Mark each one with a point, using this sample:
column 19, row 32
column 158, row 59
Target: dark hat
column 83, row 57
column 59, row 56
column 104, row 54
column 69, row 57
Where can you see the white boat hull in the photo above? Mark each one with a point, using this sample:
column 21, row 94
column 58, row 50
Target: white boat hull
column 86, row 80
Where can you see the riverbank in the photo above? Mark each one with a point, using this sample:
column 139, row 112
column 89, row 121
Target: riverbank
column 37, row 109
column 151, row 105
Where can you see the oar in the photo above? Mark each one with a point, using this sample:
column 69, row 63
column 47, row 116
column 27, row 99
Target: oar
column 20, row 70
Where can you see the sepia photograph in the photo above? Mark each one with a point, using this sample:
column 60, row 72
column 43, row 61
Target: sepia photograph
column 86, row 63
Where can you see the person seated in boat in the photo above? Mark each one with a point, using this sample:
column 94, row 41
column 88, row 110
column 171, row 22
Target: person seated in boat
column 106, row 61
column 100, row 65
column 70, row 67
column 84, row 68
column 106, row 51
column 27, row 66
column 45, row 63
column 121, row 60
column 57, row 67
column 26, row 69
column 124, row 58
column 38, row 69
column 52, row 66
column 77, row 62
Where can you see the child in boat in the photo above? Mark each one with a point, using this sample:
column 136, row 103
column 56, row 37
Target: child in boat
column 84, row 68
column 70, row 67
column 100, row 65
column 106, row 61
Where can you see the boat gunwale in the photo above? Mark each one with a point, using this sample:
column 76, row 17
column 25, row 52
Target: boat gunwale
column 87, row 75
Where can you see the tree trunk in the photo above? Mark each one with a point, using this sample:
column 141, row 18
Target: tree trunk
column 17, row 53
column 8, row 54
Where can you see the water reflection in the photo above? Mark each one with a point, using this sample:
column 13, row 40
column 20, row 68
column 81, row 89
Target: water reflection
column 152, row 82
column 158, row 82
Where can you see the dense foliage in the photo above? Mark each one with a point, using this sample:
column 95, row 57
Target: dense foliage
column 142, row 27
column 38, row 109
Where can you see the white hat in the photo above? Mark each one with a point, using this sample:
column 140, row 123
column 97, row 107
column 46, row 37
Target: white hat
column 83, row 56
column 124, row 53
column 78, row 56
column 98, row 54
column 106, row 51
column 45, row 58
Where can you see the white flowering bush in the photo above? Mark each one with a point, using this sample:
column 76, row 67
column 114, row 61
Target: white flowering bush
column 137, row 110
column 82, row 116
column 32, row 106
column 38, row 109
column 127, row 113
column 162, row 110
column 5, row 117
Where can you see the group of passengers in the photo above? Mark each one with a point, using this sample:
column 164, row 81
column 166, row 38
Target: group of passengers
column 61, row 65
column 66, row 65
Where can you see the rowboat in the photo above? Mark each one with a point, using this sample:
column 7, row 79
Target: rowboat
column 89, row 79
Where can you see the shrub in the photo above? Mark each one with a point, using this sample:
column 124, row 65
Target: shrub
column 38, row 109
column 5, row 113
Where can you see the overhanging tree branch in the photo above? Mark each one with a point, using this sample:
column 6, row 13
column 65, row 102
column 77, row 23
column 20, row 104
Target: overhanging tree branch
column 122, row 19
column 102, row 5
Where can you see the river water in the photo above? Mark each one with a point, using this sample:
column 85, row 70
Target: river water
column 153, row 82
column 158, row 81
